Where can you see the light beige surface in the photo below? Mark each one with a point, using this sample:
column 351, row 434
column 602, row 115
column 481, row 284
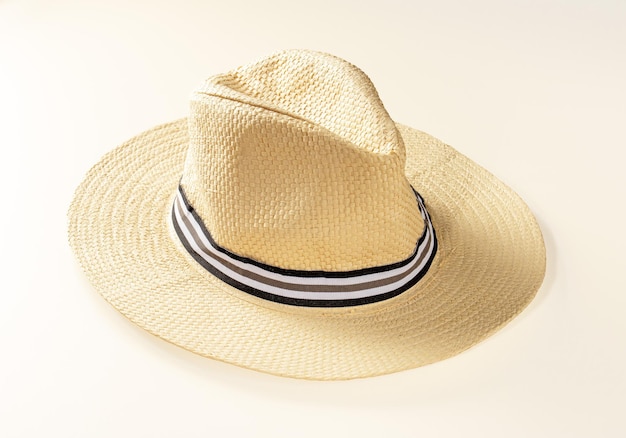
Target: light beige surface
column 533, row 92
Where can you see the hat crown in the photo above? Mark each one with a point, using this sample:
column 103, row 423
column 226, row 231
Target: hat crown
column 294, row 162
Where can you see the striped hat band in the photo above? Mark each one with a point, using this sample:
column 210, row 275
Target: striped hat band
column 303, row 288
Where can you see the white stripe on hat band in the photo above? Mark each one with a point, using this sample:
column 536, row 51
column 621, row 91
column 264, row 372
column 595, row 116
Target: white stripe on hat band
column 277, row 276
column 296, row 294
column 329, row 289
column 287, row 278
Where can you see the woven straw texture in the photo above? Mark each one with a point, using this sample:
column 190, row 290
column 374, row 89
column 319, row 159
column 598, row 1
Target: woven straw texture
column 300, row 158
column 258, row 165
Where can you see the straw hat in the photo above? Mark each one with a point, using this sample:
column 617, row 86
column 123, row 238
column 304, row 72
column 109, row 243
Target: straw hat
column 288, row 225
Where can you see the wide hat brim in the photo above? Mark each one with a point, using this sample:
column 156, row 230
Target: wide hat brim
column 489, row 265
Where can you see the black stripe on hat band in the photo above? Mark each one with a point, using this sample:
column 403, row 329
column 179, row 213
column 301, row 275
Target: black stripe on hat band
column 297, row 287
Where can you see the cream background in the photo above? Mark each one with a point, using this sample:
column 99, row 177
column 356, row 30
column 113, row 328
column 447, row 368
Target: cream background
column 534, row 91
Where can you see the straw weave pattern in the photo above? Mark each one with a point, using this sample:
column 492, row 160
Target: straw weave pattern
column 489, row 265
column 293, row 161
